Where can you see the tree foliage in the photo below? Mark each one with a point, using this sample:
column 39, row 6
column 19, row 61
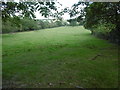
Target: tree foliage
column 27, row 9
column 100, row 17
column 102, row 12
column 19, row 16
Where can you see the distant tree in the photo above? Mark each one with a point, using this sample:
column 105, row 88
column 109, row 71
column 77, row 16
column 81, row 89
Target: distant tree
column 73, row 22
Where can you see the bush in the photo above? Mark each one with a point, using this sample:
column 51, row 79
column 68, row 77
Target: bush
column 104, row 28
column 74, row 23
column 53, row 24
column 59, row 23
column 28, row 24
column 16, row 24
column 9, row 26
column 50, row 24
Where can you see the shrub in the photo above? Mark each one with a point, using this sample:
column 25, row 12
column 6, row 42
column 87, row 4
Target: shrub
column 59, row 23
column 104, row 28
column 73, row 23
column 28, row 24
column 9, row 26
column 16, row 24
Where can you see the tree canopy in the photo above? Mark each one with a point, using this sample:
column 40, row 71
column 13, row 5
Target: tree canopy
column 26, row 9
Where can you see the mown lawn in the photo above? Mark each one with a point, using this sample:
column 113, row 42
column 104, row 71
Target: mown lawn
column 59, row 57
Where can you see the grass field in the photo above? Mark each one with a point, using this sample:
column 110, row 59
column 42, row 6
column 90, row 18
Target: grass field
column 59, row 57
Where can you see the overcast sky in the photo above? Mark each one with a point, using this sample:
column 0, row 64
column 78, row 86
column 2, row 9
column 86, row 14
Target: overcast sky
column 65, row 3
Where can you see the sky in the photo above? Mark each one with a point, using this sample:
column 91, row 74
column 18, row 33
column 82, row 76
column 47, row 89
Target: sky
column 65, row 3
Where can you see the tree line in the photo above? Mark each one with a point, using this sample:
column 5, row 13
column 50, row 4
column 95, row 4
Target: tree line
column 25, row 20
column 101, row 18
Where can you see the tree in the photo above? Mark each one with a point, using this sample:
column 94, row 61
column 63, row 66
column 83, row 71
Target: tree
column 25, row 9
column 100, row 15
column 45, row 8
column 106, row 12
column 14, row 14
column 78, row 9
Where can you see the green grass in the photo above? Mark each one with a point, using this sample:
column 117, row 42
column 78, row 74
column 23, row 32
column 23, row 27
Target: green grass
column 59, row 57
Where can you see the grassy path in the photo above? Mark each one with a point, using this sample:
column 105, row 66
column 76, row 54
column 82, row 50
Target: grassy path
column 59, row 57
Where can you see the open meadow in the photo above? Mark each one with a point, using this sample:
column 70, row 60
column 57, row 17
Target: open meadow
column 62, row 57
